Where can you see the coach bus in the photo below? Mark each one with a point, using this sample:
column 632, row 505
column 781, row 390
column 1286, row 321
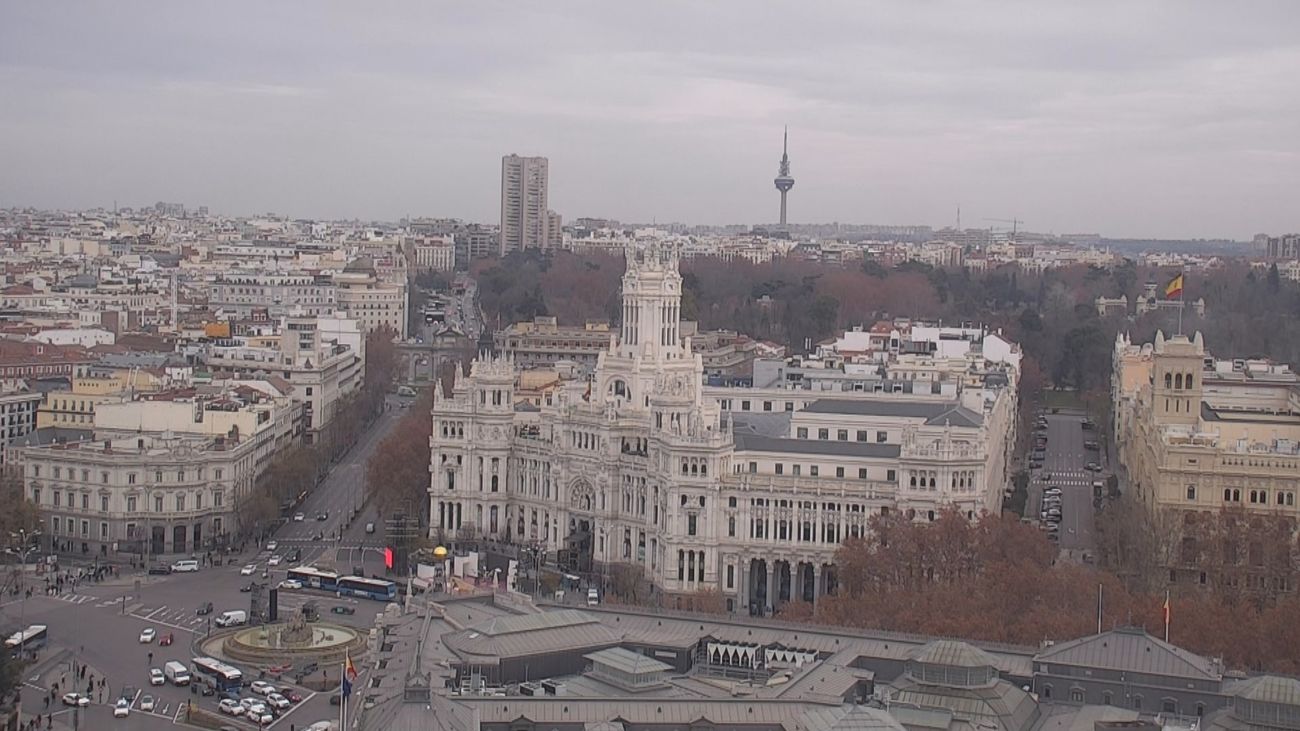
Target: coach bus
column 217, row 674
column 30, row 639
column 314, row 578
column 378, row 589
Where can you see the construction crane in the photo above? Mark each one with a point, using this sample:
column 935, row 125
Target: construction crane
column 1015, row 224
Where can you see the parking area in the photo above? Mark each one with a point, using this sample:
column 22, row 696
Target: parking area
column 1067, row 471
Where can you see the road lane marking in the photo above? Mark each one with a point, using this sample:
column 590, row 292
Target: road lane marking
column 159, row 609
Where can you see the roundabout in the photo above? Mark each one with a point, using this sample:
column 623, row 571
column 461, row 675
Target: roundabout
column 295, row 641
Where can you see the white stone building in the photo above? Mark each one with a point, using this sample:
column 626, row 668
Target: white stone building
column 642, row 466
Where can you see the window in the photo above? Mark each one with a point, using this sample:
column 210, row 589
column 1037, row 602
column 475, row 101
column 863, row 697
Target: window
column 157, row 504
column 731, row 526
column 767, row 405
column 1169, row 705
column 180, row 475
column 157, row 476
column 36, row 495
column 85, row 502
column 789, row 406
column 130, row 478
column 891, row 475
column 882, row 437
column 217, row 499
column 198, row 501
column 217, row 472
column 753, row 468
column 842, row 435
column 862, row 473
column 85, row 475
column 130, row 505
column 1191, row 492
column 1076, row 695
column 103, row 477
column 823, row 434
column 58, row 472
column 862, row 435
column 36, row 470
column 56, row 498
column 813, row 471
column 839, row 471
column 1107, row 699
column 780, row 470
column 731, row 576
column 103, row 503
column 797, row 470
column 744, row 406
column 801, row 432
column 103, row 531
column 85, row 529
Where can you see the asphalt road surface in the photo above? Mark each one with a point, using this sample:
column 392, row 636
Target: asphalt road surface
column 98, row 625
column 1064, row 460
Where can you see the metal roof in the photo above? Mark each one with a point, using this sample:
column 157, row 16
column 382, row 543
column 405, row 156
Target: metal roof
column 755, row 443
column 1269, row 689
column 849, row 718
column 626, row 661
column 953, row 653
column 1133, row 650
column 905, row 409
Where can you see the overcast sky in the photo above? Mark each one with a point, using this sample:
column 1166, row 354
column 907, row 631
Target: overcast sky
column 1129, row 118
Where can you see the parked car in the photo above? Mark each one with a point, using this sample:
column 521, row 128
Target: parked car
column 75, row 699
column 156, row 677
column 146, row 703
column 278, row 701
column 122, row 708
column 340, row 609
column 299, row 517
column 148, row 635
column 230, row 707
column 204, row 609
column 159, row 569
column 261, row 687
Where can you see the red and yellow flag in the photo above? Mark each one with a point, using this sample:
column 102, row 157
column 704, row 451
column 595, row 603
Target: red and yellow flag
column 1175, row 287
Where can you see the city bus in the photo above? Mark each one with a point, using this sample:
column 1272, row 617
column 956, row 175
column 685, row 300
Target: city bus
column 30, row 639
column 217, row 674
column 378, row 589
column 314, row 578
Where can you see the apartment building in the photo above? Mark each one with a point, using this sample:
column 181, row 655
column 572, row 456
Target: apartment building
column 18, row 405
column 544, row 342
column 239, row 294
column 524, row 212
column 374, row 302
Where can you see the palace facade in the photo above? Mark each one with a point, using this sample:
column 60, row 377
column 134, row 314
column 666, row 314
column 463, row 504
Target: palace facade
column 747, row 492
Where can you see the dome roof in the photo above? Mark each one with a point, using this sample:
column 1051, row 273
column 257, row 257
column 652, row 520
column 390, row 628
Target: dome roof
column 953, row 654
column 849, row 718
column 1270, row 689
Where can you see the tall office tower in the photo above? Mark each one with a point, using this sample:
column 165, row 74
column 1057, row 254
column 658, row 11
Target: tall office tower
column 783, row 180
column 523, row 203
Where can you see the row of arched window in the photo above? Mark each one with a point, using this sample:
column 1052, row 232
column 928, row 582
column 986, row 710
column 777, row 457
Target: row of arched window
column 1179, row 381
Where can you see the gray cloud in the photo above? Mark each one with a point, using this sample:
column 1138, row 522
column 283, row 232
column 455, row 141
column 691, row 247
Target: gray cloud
column 1132, row 118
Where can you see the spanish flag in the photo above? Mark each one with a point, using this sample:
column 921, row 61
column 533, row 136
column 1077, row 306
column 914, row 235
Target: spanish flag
column 1175, row 287
column 348, row 667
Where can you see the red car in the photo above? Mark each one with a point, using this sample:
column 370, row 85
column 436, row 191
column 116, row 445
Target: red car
column 292, row 696
column 166, row 639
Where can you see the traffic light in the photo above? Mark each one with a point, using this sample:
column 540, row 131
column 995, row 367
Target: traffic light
column 388, row 558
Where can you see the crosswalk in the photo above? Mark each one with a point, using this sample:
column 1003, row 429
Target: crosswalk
column 1069, row 478
column 186, row 619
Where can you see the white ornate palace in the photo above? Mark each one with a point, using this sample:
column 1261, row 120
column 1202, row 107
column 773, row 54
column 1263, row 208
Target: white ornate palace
column 745, row 491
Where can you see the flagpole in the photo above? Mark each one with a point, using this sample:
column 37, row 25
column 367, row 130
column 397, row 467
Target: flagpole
column 1182, row 300
column 1166, row 615
column 1098, row 608
column 343, row 699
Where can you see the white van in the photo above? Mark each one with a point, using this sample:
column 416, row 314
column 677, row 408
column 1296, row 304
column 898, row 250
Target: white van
column 186, row 565
column 232, row 618
column 177, row 673
column 593, row 597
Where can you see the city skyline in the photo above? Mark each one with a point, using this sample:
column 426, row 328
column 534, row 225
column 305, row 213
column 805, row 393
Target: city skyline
column 1167, row 120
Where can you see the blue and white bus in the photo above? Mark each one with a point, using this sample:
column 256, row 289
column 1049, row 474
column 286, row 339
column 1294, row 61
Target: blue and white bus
column 378, row 589
column 217, row 674
column 28, row 640
column 314, row 578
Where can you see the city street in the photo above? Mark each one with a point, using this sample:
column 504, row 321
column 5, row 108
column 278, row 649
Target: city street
column 1064, row 459
column 99, row 625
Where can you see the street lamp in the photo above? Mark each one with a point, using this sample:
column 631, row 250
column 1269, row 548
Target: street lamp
column 26, row 544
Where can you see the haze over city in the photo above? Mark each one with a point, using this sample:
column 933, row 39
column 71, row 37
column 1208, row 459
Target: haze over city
column 1153, row 119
